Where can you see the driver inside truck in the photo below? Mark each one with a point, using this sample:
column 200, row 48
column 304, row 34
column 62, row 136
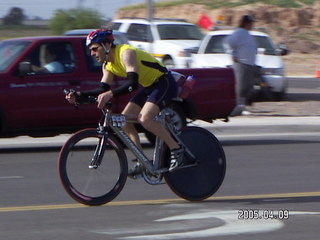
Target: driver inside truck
column 48, row 60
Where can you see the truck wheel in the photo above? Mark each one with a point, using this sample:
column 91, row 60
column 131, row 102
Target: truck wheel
column 179, row 118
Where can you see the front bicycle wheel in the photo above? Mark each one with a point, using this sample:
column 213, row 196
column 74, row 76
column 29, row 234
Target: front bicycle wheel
column 199, row 182
column 87, row 184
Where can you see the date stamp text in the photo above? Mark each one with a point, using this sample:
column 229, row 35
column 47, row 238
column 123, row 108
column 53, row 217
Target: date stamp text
column 256, row 214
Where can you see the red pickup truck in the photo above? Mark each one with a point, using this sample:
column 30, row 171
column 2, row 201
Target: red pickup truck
column 32, row 102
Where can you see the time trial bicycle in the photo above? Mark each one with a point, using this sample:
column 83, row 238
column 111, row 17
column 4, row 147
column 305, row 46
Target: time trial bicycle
column 93, row 164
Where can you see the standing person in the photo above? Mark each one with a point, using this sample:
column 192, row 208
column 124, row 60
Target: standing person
column 140, row 68
column 243, row 49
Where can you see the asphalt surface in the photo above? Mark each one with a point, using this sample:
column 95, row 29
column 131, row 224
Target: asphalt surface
column 269, row 176
column 272, row 169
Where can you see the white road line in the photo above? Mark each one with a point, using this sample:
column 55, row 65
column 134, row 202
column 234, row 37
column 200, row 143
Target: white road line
column 11, row 177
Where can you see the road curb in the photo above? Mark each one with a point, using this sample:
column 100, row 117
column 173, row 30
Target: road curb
column 264, row 125
column 236, row 126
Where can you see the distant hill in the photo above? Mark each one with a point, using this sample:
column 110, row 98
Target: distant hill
column 214, row 4
column 295, row 23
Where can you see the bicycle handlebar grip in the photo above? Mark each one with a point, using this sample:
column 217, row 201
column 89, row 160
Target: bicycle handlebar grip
column 108, row 105
column 66, row 92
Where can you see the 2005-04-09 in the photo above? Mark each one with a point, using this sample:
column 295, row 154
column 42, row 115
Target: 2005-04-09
column 251, row 214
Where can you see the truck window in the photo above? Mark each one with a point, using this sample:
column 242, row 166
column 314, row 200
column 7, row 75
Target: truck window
column 9, row 51
column 139, row 32
column 52, row 58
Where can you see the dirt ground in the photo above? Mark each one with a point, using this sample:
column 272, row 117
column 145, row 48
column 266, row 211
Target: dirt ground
column 285, row 109
column 298, row 64
column 297, row 102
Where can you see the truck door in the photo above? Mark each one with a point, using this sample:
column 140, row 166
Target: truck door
column 37, row 97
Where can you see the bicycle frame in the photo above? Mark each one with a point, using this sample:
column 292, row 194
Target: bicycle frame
column 115, row 123
column 101, row 184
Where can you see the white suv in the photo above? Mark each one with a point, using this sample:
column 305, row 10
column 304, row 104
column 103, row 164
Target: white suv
column 212, row 53
column 166, row 39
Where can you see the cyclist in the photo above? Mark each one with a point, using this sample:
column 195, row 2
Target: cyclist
column 140, row 68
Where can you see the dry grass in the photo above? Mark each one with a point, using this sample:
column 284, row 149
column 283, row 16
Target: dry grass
column 23, row 32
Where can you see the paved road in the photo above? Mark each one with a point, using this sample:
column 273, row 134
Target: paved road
column 272, row 166
column 265, row 175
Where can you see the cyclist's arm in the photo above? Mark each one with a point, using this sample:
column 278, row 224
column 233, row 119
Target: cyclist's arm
column 107, row 76
column 129, row 60
column 106, row 81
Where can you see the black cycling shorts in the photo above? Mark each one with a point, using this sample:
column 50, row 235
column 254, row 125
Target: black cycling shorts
column 159, row 93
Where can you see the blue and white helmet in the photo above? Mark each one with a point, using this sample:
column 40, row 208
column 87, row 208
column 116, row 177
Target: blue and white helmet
column 99, row 36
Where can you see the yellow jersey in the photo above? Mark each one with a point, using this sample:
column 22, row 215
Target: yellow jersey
column 150, row 69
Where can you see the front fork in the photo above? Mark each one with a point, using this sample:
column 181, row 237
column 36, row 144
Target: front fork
column 100, row 149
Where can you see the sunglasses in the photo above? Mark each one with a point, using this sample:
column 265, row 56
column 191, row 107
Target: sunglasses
column 94, row 49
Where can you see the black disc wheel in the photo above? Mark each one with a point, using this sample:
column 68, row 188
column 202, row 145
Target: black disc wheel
column 201, row 181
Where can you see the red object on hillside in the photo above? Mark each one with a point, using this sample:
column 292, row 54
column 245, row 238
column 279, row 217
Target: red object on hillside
column 318, row 71
column 205, row 22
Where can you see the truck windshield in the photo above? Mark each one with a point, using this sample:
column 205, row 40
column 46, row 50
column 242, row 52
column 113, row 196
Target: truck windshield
column 9, row 51
column 179, row 31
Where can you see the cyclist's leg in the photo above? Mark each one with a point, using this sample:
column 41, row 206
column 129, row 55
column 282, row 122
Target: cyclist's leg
column 132, row 109
column 160, row 94
column 147, row 119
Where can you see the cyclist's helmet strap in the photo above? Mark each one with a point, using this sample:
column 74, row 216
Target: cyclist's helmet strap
column 100, row 36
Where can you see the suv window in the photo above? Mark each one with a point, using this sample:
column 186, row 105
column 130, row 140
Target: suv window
column 139, row 32
column 115, row 26
column 179, row 31
column 265, row 42
column 215, row 44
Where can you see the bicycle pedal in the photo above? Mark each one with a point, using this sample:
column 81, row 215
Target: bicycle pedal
column 187, row 165
column 183, row 166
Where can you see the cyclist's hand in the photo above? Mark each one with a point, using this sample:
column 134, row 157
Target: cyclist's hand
column 103, row 98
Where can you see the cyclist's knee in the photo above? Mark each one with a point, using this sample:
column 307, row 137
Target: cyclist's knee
column 145, row 121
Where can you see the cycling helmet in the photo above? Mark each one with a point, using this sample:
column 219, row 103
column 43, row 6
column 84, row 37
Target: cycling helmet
column 100, row 36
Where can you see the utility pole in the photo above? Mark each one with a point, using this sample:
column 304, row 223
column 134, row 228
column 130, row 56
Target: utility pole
column 149, row 10
column 149, row 17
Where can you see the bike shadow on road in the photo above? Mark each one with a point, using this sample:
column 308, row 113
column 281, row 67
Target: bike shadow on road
column 242, row 142
column 37, row 149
